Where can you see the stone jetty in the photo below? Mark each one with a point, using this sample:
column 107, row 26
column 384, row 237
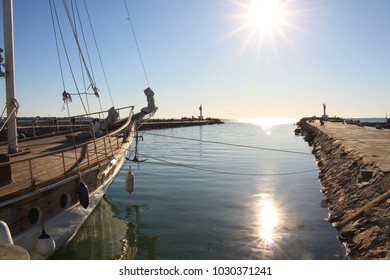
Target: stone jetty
column 354, row 163
column 45, row 126
column 172, row 123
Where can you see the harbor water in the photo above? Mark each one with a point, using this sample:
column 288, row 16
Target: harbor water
column 241, row 190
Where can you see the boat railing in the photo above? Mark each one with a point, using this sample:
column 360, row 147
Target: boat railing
column 55, row 124
column 75, row 157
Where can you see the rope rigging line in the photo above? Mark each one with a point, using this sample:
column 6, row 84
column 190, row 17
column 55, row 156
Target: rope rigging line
column 231, row 144
column 144, row 121
column 56, row 39
column 87, row 50
column 229, row 173
column 6, row 121
column 5, row 108
column 67, row 56
column 67, row 96
column 136, row 43
column 98, row 52
column 91, row 80
column 84, row 40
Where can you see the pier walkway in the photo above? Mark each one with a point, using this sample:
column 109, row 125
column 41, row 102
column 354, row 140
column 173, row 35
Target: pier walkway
column 373, row 144
column 354, row 163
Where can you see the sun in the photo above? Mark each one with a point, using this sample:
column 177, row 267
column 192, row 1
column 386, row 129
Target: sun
column 265, row 15
column 263, row 22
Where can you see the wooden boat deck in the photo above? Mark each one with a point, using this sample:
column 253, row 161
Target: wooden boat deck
column 43, row 160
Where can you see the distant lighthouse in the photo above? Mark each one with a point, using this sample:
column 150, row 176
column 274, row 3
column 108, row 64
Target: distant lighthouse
column 200, row 110
column 324, row 116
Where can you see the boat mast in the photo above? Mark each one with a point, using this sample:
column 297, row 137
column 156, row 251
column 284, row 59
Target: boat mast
column 10, row 75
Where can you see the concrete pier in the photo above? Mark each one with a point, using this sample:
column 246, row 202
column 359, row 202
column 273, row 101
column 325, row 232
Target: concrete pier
column 172, row 123
column 371, row 143
column 354, row 165
column 29, row 130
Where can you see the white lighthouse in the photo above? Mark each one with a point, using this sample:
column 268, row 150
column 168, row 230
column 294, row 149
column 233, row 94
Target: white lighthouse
column 200, row 112
column 324, row 116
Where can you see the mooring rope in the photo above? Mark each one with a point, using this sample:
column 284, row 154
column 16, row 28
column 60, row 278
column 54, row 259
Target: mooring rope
column 231, row 144
column 227, row 172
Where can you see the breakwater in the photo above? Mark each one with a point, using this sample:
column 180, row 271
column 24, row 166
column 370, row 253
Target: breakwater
column 172, row 123
column 355, row 179
column 33, row 129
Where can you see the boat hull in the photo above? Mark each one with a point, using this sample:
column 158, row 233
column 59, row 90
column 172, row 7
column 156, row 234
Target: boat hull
column 52, row 193
column 64, row 225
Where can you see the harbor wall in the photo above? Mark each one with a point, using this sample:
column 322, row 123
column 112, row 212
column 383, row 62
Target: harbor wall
column 173, row 123
column 357, row 195
column 46, row 127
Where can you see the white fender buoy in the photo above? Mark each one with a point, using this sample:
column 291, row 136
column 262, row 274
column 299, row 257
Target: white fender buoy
column 45, row 244
column 83, row 194
column 5, row 234
column 130, row 182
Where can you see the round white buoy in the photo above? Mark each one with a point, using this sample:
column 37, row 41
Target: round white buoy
column 5, row 234
column 45, row 244
column 130, row 182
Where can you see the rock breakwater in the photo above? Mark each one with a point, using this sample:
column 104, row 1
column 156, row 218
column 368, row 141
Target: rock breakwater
column 357, row 194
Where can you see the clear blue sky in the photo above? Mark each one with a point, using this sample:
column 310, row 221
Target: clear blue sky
column 327, row 51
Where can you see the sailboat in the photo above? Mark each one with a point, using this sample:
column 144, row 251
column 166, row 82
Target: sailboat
column 50, row 184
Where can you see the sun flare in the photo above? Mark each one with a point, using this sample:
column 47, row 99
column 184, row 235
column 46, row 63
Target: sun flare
column 265, row 15
column 263, row 22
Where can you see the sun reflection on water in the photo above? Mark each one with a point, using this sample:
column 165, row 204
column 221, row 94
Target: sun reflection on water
column 267, row 123
column 268, row 227
column 269, row 220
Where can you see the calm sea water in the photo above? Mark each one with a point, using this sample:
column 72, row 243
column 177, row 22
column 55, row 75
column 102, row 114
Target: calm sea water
column 205, row 200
